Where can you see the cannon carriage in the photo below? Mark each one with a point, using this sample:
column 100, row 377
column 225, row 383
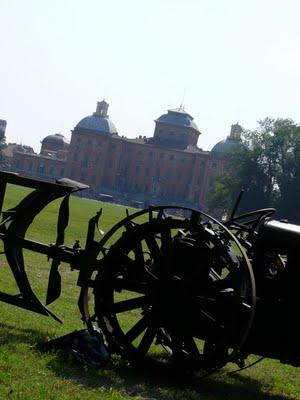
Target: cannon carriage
column 173, row 287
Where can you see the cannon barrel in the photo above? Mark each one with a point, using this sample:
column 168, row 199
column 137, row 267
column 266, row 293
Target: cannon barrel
column 279, row 235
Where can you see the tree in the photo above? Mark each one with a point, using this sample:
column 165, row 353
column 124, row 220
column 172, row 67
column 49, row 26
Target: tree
column 2, row 139
column 267, row 164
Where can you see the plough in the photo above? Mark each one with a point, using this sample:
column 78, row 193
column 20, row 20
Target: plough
column 173, row 287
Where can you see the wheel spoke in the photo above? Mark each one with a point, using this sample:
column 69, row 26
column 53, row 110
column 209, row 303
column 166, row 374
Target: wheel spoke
column 208, row 323
column 131, row 304
column 152, row 246
column 218, row 284
column 210, row 318
column 137, row 329
column 195, row 217
column 147, row 339
column 166, row 239
column 126, row 262
column 130, row 285
column 191, row 348
column 139, row 255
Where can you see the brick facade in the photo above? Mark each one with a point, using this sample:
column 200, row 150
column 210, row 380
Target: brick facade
column 167, row 168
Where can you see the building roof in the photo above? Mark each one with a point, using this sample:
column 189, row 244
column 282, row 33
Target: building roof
column 99, row 121
column 11, row 148
column 179, row 117
column 57, row 138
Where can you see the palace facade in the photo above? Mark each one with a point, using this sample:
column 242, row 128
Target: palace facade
column 166, row 168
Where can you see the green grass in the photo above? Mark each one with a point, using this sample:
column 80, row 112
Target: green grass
column 27, row 373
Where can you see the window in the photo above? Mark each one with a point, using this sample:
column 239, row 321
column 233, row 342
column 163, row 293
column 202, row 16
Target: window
column 137, row 169
column 75, row 157
column 125, row 170
column 62, row 172
column 110, row 163
column 162, row 155
column 93, row 178
column 41, row 168
column 85, row 161
column 51, row 170
column 172, row 157
column 30, row 166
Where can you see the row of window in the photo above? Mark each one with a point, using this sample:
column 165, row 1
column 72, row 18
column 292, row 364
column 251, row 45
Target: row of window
column 40, row 168
column 80, row 141
column 171, row 133
column 168, row 174
column 113, row 146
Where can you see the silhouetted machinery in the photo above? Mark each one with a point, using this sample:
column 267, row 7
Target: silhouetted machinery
column 172, row 286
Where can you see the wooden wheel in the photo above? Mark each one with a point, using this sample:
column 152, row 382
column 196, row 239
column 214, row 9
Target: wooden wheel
column 175, row 291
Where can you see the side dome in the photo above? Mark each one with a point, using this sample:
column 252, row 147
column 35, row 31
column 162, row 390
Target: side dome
column 54, row 143
column 99, row 121
column 57, row 139
column 178, row 117
column 225, row 145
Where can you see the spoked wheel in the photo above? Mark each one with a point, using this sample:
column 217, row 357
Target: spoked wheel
column 175, row 291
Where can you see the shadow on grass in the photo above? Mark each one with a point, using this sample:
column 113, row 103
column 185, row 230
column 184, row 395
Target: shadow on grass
column 12, row 335
column 119, row 376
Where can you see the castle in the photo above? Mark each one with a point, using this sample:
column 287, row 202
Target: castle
column 168, row 168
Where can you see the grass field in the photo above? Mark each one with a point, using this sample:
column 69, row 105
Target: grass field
column 27, row 373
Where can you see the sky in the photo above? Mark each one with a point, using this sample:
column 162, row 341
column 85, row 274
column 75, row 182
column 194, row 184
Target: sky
column 226, row 61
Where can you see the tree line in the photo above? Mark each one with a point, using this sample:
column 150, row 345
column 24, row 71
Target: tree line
column 266, row 164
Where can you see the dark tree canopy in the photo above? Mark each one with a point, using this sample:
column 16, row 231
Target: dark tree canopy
column 267, row 165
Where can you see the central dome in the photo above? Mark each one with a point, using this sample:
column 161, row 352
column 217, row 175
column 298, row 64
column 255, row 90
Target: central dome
column 176, row 129
column 178, row 117
column 98, row 122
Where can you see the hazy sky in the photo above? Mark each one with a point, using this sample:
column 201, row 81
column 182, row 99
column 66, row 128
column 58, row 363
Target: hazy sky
column 236, row 60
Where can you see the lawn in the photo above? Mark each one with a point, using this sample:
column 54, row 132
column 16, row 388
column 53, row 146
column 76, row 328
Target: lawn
column 27, row 373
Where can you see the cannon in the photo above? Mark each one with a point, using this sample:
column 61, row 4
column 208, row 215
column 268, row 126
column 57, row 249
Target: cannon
column 173, row 288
